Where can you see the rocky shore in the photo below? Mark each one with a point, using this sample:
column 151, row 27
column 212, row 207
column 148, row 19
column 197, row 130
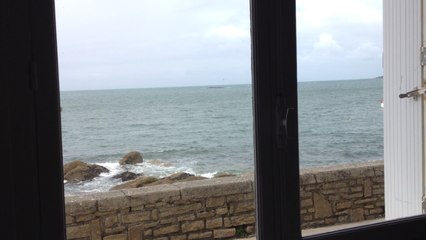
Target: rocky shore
column 79, row 171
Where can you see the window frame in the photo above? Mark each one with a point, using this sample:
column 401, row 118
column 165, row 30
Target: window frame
column 30, row 99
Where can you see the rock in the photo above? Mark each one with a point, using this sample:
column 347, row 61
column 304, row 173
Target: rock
column 151, row 181
column 177, row 177
column 223, row 174
column 81, row 171
column 131, row 158
column 135, row 183
column 127, row 176
column 160, row 163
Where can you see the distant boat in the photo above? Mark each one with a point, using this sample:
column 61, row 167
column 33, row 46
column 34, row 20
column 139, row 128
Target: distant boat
column 216, row 87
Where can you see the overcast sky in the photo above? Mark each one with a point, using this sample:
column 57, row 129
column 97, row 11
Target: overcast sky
column 108, row 44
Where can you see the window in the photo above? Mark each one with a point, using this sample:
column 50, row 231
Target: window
column 30, row 94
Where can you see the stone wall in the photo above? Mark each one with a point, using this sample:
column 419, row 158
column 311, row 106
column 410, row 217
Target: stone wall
column 221, row 207
column 341, row 194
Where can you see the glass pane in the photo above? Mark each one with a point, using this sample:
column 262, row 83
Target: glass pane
column 340, row 90
column 362, row 141
column 157, row 108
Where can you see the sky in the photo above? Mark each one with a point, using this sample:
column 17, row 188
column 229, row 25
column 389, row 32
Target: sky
column 115, row 44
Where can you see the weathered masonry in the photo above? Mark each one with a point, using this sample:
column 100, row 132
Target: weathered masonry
column 222, row 207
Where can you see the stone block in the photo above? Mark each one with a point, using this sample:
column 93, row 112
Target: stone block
column 154, row 214
column 110, row 221
column 355, row 189
column 353, row 195
column 136, row 232
column 334, row 185
column 322, row 206
column 343, row 205
column 215, row 202
column 95, row 229
column 250, row 229
column 187, row 217
column 379, row 191
column 151, row 194
column 136, row 217
column 69, row 219
column 192, row 226
column 366, row 200
column 85, row 217
column 239, row 220
column 168, row 220
column 329, row 221
column 240, row 197
column 148, row 233
column 224, row 233
column 367, row 188
column 357, row 215
column 214, row 223
column 117, row 229
column 116, row 237
column 78, row 231
column 306, row 202
column 206, row 214
column 376, row 211
column 221, row 211
column 378, row 179
column 111, row 201
column 202, row 235
column 331, row 176
column 214, row 187
column 166, row 230
column 80, row 205
column 177, row 210
column 307, row 178
column 305, row 194
column 178, row 237
column 241, row 207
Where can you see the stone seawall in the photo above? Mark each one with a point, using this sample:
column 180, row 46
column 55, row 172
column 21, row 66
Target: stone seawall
column 222, row 207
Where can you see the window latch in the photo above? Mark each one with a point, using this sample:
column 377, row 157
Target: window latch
column 413, row 93
column 283, row 121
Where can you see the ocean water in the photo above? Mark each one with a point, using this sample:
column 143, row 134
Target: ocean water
column 205, row 130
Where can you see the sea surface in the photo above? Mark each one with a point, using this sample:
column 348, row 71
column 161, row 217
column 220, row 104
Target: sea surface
column 206, row 130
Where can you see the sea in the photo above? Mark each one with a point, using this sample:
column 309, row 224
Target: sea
column 206, row 130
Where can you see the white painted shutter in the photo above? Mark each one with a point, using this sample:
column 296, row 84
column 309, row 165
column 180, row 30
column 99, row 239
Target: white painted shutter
column 403, row 124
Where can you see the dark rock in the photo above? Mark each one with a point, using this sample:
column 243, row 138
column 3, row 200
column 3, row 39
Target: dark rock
column 223, row 174
column 135, row 183
column 127, row 176
column 80, row 171
column 131, row 158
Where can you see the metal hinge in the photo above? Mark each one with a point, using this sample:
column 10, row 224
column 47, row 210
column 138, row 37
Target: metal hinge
column 423, row 56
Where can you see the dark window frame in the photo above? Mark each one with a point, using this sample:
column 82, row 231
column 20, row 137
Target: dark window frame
column 31, row 127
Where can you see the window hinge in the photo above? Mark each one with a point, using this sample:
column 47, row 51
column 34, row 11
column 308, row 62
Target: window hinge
column 33, row 76
column 423, row 56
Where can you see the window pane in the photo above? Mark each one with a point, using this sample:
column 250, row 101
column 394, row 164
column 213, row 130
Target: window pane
column 156, row 104
column 340, row 92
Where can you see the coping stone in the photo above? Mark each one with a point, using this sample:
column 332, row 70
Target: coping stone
column 214, row 187
column 150, row 194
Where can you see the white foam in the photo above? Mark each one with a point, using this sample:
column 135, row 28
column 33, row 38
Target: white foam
column 208, row 175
